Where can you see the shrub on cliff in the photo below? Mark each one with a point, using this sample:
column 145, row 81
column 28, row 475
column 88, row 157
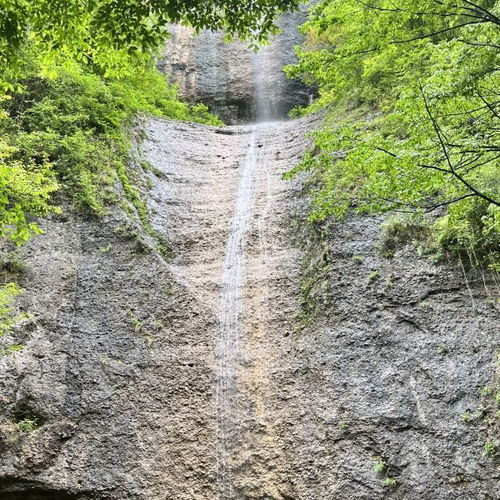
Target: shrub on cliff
column 76, row 73
column 68, row 127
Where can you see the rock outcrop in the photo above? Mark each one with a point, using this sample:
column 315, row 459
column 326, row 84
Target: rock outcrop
column 223, row 75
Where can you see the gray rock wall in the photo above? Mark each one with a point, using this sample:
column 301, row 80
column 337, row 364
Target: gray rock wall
column 234, row 82
column 119, row 367
column 394, row 378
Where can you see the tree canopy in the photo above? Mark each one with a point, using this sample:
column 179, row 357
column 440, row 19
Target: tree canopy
column 412, row 88
column 104, row 31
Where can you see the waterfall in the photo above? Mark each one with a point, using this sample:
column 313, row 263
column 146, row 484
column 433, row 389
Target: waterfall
column 234, row 406
column 229, row 350
column 264, row 103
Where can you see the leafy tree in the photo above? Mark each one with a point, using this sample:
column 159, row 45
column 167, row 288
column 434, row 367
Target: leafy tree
column 25, row 187
column 105, row 32
column 412, row 88
column 76, row 72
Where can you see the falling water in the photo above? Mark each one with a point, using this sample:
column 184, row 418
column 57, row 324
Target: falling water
column 229, row 350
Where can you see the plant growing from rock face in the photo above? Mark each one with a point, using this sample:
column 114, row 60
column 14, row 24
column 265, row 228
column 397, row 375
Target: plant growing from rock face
column 8, row 315
column 26, row 187
column 390, row 482
column 136, row 322
column 11, row 349
column 11, row 263
column 380, row 466
column 400, row 231
column 442, row 349
column 467, row 416
column 490, row 448
column 27, row 424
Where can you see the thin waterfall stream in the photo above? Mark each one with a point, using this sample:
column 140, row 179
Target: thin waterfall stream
column 230, row 349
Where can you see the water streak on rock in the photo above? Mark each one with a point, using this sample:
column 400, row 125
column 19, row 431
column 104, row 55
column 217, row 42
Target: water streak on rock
column 229, row 350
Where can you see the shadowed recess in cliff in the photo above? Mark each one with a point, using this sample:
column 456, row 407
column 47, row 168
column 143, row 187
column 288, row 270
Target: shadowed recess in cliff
column 25, row 490
column 40, row 494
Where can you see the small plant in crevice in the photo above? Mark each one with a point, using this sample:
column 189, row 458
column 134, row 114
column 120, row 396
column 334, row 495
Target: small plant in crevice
column 159, row 324
column 9, row 317
column 135, row 321
column 374, row 276
column 442, row 349
column 486, row 391
column 357, row 259
column 314, row 289
column 380, row 466
column 126, row 230
column 144, row 327
column 27, row 424
column 11, row 349
column 343, row 425
column 390, row 482
column 106, row 248
column 467, row 416
column 383, row 469
column 490, row 448
column 489, row 411
column 389, row 283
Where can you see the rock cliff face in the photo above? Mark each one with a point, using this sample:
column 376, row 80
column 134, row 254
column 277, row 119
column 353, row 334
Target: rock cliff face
column 183, row 376
column 237, row 84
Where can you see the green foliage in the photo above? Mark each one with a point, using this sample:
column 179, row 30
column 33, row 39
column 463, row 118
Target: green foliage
column 467, row 416
column 11, row 349
column 390, row 482
column 107, row 32
column 398, row 231
column 380, row 466
column 27, row 425
column 12, row 264
column 8, row 314
column 26, row 186
column 490, row 448
column 413, row 122
column 73, row 131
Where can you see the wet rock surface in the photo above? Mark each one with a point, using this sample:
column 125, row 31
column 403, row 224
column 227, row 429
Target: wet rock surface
column 120, row 368
column 223, row 75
